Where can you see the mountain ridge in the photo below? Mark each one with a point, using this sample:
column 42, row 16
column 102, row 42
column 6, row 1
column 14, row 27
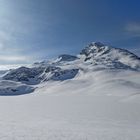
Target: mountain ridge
column 96, row 56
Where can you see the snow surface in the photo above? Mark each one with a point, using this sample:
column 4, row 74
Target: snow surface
column 97, row 105
column 99, row 102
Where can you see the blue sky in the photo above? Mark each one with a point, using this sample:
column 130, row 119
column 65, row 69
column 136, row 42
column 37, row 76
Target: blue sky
column 31, row 30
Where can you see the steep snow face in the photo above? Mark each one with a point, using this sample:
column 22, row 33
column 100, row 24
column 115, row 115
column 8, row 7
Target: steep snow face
column 57, row 74
column 99, row 53
column 64, row 74
column 14, row 88
column 2, row 73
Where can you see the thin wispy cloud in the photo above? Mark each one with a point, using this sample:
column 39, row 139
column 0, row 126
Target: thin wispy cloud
column 38, row 29
column 133, row 28
column 14, row 59
column 19, row 27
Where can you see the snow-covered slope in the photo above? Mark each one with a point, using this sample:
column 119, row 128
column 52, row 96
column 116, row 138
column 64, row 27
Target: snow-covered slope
column 14, row 88
column 102, row 105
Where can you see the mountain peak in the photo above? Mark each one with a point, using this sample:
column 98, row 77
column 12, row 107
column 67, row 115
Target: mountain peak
column 94, row 47
column 97, row 44
column 102, row 54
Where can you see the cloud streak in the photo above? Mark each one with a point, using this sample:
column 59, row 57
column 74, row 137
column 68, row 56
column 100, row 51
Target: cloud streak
column 14, row 59
column 133, row 28
column 20, row 27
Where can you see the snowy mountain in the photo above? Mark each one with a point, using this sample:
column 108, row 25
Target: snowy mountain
column 100, row 54
column 94, row 95
column 36, row 75
column 24, row 74
column 96, row 56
